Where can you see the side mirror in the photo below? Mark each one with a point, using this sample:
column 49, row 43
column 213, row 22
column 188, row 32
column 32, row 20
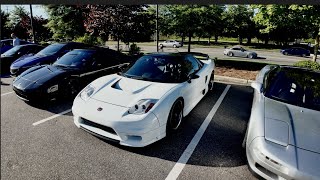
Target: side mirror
column 257, row 86
column 193, row 76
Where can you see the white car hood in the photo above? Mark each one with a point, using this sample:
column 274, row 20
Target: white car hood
column 289, row 124
column 126, row 92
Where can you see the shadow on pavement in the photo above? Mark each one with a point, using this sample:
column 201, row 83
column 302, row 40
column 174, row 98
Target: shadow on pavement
column 55, row 106
column 221, row 143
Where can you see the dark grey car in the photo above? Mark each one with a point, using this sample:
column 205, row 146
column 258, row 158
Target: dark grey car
column 283, row 135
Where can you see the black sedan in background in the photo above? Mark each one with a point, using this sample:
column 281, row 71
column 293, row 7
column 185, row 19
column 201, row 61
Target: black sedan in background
column 16, row 52
column 68, row 75
column 296, row 51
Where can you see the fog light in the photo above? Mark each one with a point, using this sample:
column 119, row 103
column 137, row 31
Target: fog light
column 134, row 138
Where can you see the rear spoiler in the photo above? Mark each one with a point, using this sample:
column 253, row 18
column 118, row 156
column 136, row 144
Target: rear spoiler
column 198, row 55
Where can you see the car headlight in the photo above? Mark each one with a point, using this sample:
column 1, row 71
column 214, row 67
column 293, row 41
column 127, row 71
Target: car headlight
column 143, row 106
column 87, row 92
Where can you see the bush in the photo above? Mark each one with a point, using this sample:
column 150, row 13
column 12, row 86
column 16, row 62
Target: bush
column 134, row 49
column 88, row 39
column 308, row 64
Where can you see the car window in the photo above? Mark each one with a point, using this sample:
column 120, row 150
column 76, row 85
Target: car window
column 51, row 49
column 191, row 64
column 237, row 49
column 75, row 59
column 296, row 87
column 160, row 68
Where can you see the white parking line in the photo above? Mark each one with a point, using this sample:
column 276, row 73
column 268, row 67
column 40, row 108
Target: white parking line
column 52, row 117
column 178, row 167
column 6, row 93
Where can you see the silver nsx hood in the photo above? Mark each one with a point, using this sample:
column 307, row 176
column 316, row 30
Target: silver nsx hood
column 288, row 124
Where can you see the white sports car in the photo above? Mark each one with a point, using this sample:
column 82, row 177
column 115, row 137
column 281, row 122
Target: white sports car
column 145, row 102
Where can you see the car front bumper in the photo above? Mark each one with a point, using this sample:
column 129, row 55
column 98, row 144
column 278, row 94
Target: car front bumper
column 114, row 123
column 273, row 161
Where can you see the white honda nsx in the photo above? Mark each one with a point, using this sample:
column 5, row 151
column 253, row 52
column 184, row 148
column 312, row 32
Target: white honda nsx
column 145, row 102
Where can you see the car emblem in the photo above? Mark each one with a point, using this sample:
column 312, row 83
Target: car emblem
column 99, row 109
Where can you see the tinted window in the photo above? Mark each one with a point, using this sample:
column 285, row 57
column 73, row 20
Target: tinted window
column 237, row 49
column 75, row 58
column 50, row 50
column 12, row 51
column 296, row 87
column 169, row 69
column 192, row 64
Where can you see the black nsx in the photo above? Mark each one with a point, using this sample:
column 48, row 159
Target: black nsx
column 68, row 75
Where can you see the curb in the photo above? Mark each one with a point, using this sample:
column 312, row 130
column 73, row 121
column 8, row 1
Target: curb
column 232, row 80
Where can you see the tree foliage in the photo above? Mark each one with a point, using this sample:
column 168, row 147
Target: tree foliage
column 66, row 22
column 5, row 32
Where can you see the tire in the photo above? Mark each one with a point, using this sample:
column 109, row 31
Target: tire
column 175, row 116
column 161, row 45
column 250, row 56
column 303, row 55
column 244, row 142
column 230, row 54
column 285, row 53
column 174, row 46
column 211, row 82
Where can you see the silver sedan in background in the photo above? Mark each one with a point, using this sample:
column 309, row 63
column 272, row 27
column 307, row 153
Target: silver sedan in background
column 171, row 43
column 283, row 135
column 239, row 51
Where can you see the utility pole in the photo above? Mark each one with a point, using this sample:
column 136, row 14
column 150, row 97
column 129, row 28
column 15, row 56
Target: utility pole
column 157, row 32
column 33, row 34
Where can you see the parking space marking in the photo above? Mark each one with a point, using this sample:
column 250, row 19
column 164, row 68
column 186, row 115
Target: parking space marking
column 6, row 93
column 178, row 167
column 51, row 117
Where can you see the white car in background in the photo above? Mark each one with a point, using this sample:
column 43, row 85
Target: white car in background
column 171, row 43
column 239, row 51
column 145, row 102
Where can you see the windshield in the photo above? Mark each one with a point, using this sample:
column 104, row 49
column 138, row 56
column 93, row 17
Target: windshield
column 52, row 49
column 12, row 51
column 167, row 69
column 75, row 58
column 296, row 87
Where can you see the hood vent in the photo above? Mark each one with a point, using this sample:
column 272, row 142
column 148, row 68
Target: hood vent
column 116, row 85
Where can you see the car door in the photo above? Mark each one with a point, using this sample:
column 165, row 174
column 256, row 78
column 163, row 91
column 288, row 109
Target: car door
column 236, row 51
column 193, row 89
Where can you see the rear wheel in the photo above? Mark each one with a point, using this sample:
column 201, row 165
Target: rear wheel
column 250, row 56
column 211, row 82
column 175, row 116
column 230, row 54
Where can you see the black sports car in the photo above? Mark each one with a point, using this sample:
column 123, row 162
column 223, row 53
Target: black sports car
column 16, row 52
column 69, row 74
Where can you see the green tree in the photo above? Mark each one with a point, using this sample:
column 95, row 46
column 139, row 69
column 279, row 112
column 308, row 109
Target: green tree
column 66, row 22
column 16, row 17
column 238, row 22
column 278, row 20
column 311, row 17
column 5, row 32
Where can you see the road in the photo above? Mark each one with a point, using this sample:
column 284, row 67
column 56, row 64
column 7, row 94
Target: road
column 265, row 56
column 57, row 149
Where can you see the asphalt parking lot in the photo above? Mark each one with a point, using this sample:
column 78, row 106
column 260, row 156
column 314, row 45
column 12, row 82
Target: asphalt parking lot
column 38, row 143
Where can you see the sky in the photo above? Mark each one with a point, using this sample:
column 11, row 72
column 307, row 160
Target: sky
column 37, row 10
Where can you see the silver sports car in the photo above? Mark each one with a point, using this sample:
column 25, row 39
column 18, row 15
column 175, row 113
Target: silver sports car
column 240, row 52
column 283, row 135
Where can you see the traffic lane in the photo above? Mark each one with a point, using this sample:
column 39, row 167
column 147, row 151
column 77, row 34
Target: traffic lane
column 264, row 56
column 58, row 149
column 6, row 84
column 219, row 154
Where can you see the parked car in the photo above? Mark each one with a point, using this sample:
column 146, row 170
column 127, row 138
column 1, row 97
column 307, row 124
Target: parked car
column 145, row 102
column 47, row 55
column 6, row 44
column 14, row 53
column 296, row 51
column 68, row 75
column 171, row 43
column 283, row 135
column 239, row 51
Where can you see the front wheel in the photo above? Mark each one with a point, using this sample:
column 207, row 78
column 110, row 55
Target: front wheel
column 175, row 116
column 250, row 56
column 174, row 46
